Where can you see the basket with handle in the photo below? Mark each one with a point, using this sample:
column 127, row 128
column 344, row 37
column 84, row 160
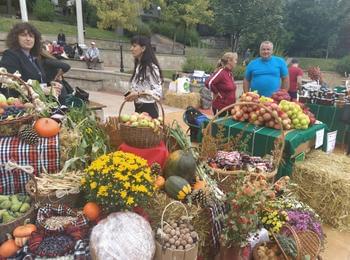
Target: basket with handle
column 164, row 253
column 208, row 149
column 69, row 198
column 11, row 127
column 141, row 137
column 7, row 228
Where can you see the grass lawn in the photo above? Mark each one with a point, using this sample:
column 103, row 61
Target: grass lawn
column 324, row 64
column 54, row 28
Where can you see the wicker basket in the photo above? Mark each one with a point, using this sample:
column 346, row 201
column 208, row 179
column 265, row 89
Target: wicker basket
column 10, row 226
column 224, row 177
column 307, row 243
column 70, row 199
column 11, row 127
column 168, row 253
column 141, row 137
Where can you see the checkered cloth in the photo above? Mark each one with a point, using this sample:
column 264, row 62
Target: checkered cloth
column 42, row 157
column 77, row 228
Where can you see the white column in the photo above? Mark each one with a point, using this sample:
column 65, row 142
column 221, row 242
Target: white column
column 24, row 13
column 80, row 25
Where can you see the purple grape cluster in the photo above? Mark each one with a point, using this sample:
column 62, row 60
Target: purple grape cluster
column 12, row 111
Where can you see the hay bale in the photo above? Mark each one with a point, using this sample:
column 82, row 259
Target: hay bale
column 182, row 100
column 200, row 220
column 323, row 182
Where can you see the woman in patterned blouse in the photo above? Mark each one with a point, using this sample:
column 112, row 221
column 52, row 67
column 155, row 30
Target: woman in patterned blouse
column 146, row 78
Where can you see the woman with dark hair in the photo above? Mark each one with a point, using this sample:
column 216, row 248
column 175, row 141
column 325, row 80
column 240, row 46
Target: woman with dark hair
column 146, row 78
column 24, row 47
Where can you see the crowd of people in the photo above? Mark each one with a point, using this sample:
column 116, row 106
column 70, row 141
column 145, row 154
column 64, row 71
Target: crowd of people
column 42, row 61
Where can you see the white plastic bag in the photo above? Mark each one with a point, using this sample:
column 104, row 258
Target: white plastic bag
column 122, row 236
column 183, row 85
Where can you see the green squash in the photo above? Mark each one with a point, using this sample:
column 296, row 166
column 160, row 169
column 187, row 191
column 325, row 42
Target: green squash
column 177, row 187
column 180, row 163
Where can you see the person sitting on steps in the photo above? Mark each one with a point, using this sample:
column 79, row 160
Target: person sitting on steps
column 92, row 56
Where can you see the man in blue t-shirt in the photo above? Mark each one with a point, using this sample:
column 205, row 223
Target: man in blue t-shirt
column 266, row 74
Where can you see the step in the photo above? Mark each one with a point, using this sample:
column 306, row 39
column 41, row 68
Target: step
column 82, row 64
column 85, row 83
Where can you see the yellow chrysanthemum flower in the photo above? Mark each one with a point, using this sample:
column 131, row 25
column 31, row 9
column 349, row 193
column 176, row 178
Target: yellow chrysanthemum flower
column 93, row 185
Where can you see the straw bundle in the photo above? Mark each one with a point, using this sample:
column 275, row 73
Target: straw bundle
column 323, row 182
column 182, row 100
column 200, row 220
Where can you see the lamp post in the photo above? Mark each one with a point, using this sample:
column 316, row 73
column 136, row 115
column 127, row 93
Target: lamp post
column 121, row 57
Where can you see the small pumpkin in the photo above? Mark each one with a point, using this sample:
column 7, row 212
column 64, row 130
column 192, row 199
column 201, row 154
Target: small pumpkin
column 23, row 233
column 180, row 163
column 160, row 181
column 92, row 211
column 177, row 187
column 46, row 127
column 9, row 247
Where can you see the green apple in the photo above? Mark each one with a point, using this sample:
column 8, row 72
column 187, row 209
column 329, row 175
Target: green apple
column 2, row 98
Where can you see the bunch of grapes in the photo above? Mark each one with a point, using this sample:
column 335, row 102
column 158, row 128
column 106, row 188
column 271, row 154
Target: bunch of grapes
column 11, row 112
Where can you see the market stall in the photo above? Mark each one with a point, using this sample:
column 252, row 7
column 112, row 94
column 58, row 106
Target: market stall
column 261, row 140
column 104, row 204
column 331, row 116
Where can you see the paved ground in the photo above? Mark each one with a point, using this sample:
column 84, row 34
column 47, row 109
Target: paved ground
column 113, row 102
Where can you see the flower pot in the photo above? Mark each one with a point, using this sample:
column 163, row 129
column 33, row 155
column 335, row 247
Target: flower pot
column 235, row 252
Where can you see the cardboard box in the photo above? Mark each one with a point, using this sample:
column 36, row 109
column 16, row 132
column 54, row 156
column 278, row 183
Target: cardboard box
column 169, row 254
column 304, row 147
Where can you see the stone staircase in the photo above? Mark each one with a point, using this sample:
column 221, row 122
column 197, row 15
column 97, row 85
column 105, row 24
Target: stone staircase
column 101, row 80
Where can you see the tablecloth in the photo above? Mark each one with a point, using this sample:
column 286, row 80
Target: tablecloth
column 156, row 154
column 260, row 140
column 330, row 115
column 45, row 156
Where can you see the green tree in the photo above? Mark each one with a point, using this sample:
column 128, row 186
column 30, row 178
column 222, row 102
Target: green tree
column 315, row 25
column 251, row 20
column 186, row 13
column 119, row 13
column 44, row 10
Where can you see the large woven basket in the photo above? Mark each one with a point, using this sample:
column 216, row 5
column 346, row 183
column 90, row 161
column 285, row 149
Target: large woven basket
column 141, row 137
column 10, row 226
column 307, row 243
column 11, row 127
column 224, row 177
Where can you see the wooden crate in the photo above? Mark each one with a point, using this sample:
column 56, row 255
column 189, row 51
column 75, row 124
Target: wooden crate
column 169, row 254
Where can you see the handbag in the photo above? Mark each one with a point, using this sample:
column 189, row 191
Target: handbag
column 82, row 94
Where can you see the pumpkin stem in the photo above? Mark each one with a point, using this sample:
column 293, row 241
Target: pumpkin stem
column 26, row 221
column 9, row 236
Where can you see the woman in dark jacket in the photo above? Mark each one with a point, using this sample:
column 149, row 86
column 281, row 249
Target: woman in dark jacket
column 24, row 48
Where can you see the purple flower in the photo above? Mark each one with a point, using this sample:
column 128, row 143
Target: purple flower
column 304, row 220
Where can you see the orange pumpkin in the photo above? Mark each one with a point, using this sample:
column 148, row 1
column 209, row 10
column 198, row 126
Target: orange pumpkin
column 9, row 247
column 92, row 211
column 160, row 181
column 46, row 127
column 199, row 185
column 23, row 233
